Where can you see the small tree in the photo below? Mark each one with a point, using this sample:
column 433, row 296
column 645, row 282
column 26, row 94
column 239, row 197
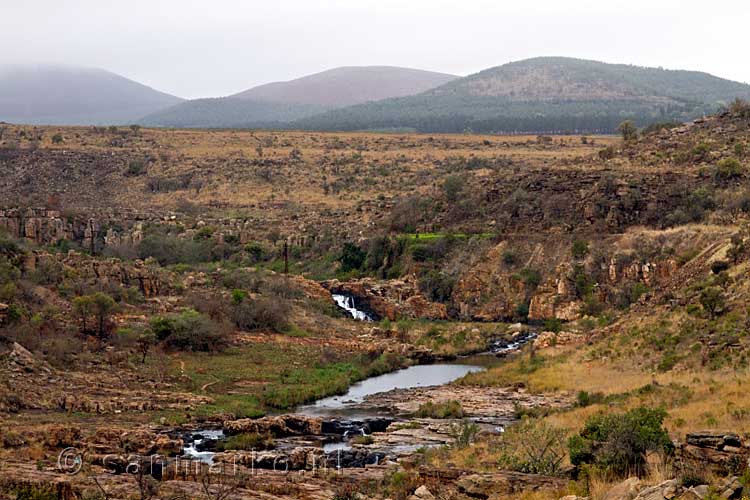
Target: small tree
column 453, row 186
column 57, row 139
column 83, row 306
column 103, row 307
column 146, row 340
column 352, row 257
column 628, row 130
column 712, row 300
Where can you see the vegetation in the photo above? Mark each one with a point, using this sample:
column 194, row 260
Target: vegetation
column 444, row 409
column 619, row 443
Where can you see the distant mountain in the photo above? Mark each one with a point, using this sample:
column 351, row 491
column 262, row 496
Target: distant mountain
column 59, row 95
column 274, row 104
column 546, row 94
column 348, row 85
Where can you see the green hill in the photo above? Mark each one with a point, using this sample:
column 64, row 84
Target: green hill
column 548, row 94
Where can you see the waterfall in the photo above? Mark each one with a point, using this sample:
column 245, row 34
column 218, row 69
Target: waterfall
column 346, row 302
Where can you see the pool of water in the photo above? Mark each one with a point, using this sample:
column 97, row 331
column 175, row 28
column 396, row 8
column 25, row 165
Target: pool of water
column 414, row 376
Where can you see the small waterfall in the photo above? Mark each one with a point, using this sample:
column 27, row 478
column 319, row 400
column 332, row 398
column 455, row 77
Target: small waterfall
column 346, row 302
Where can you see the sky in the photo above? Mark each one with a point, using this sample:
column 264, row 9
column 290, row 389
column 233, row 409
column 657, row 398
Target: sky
column 218, row 47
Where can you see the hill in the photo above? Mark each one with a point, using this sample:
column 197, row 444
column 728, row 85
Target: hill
column 74, row 96
column 348, row 85
column 549, row 94
column 273, row 104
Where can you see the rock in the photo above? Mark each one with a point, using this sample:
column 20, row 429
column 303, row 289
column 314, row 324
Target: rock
column 695, row 493
column 390, row 298
column 423, row 493
column 667, row 489
column 731, row 488
column 626, row 490
column 549, row 339
column 279, row 426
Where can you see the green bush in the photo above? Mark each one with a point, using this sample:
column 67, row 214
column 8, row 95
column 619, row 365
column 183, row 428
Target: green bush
column 728, row 168
column 580, row 249
column 190, row 331
column 247, row 441
column 352, row 257
column 531, row 277
column 618, row 443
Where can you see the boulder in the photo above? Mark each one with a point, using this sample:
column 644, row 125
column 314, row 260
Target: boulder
column 626, row 490
column 278, row 426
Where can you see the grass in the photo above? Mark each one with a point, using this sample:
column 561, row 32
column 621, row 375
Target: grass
column 441, row 409
column 251, row 380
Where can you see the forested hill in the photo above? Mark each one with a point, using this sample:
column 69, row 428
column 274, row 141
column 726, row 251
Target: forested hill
column 550, row 94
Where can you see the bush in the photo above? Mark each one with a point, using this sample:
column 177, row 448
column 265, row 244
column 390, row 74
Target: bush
column 618, row 444
column 728, row 168
column 444, row 409
column 628, row 130
column 531, row 277
column 453, row 187
column 580, row 249
column 57, row 139
column 712, row 299
column 247, row 441
column 136, row 168
column 533, row 447
column 190, row 331
column 352, row 257
column 261, row 314
column 437, row 286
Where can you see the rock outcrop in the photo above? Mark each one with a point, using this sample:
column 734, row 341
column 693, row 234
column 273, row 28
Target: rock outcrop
column 279, row 426
column 720, row 452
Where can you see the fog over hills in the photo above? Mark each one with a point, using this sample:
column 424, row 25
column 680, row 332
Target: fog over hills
column 62, row 95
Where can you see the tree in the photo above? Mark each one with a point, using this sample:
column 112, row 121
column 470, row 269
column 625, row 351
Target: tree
column 83, row 306
column 453, row 186
column 145, row 341
column 103, row 306
column 712, row 300
column 57, row 139
column 352, row 257
column 628, row 130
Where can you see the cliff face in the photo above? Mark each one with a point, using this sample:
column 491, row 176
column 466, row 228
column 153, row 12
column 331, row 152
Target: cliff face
column 548, row 282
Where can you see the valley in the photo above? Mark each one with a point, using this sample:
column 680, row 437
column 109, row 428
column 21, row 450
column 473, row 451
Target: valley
column 322, row 315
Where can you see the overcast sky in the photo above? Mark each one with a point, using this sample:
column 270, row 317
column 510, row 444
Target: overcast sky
column 217, row 47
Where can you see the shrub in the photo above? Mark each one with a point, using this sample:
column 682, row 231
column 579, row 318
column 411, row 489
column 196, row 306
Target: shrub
column 712, row 300
column 247, row 441
column 531, row 277
column 628, row 130
column 618, row 443
column 261, row 314
column 464, row 433
column 444, row 409
column 533, row 447
column 57, row 139
column 190, row 331
column 509, row 257
column 580, row 249
column 436, row 285
column 453, row 187
column 728, row 168
column 352, row 257
column 136, row 168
